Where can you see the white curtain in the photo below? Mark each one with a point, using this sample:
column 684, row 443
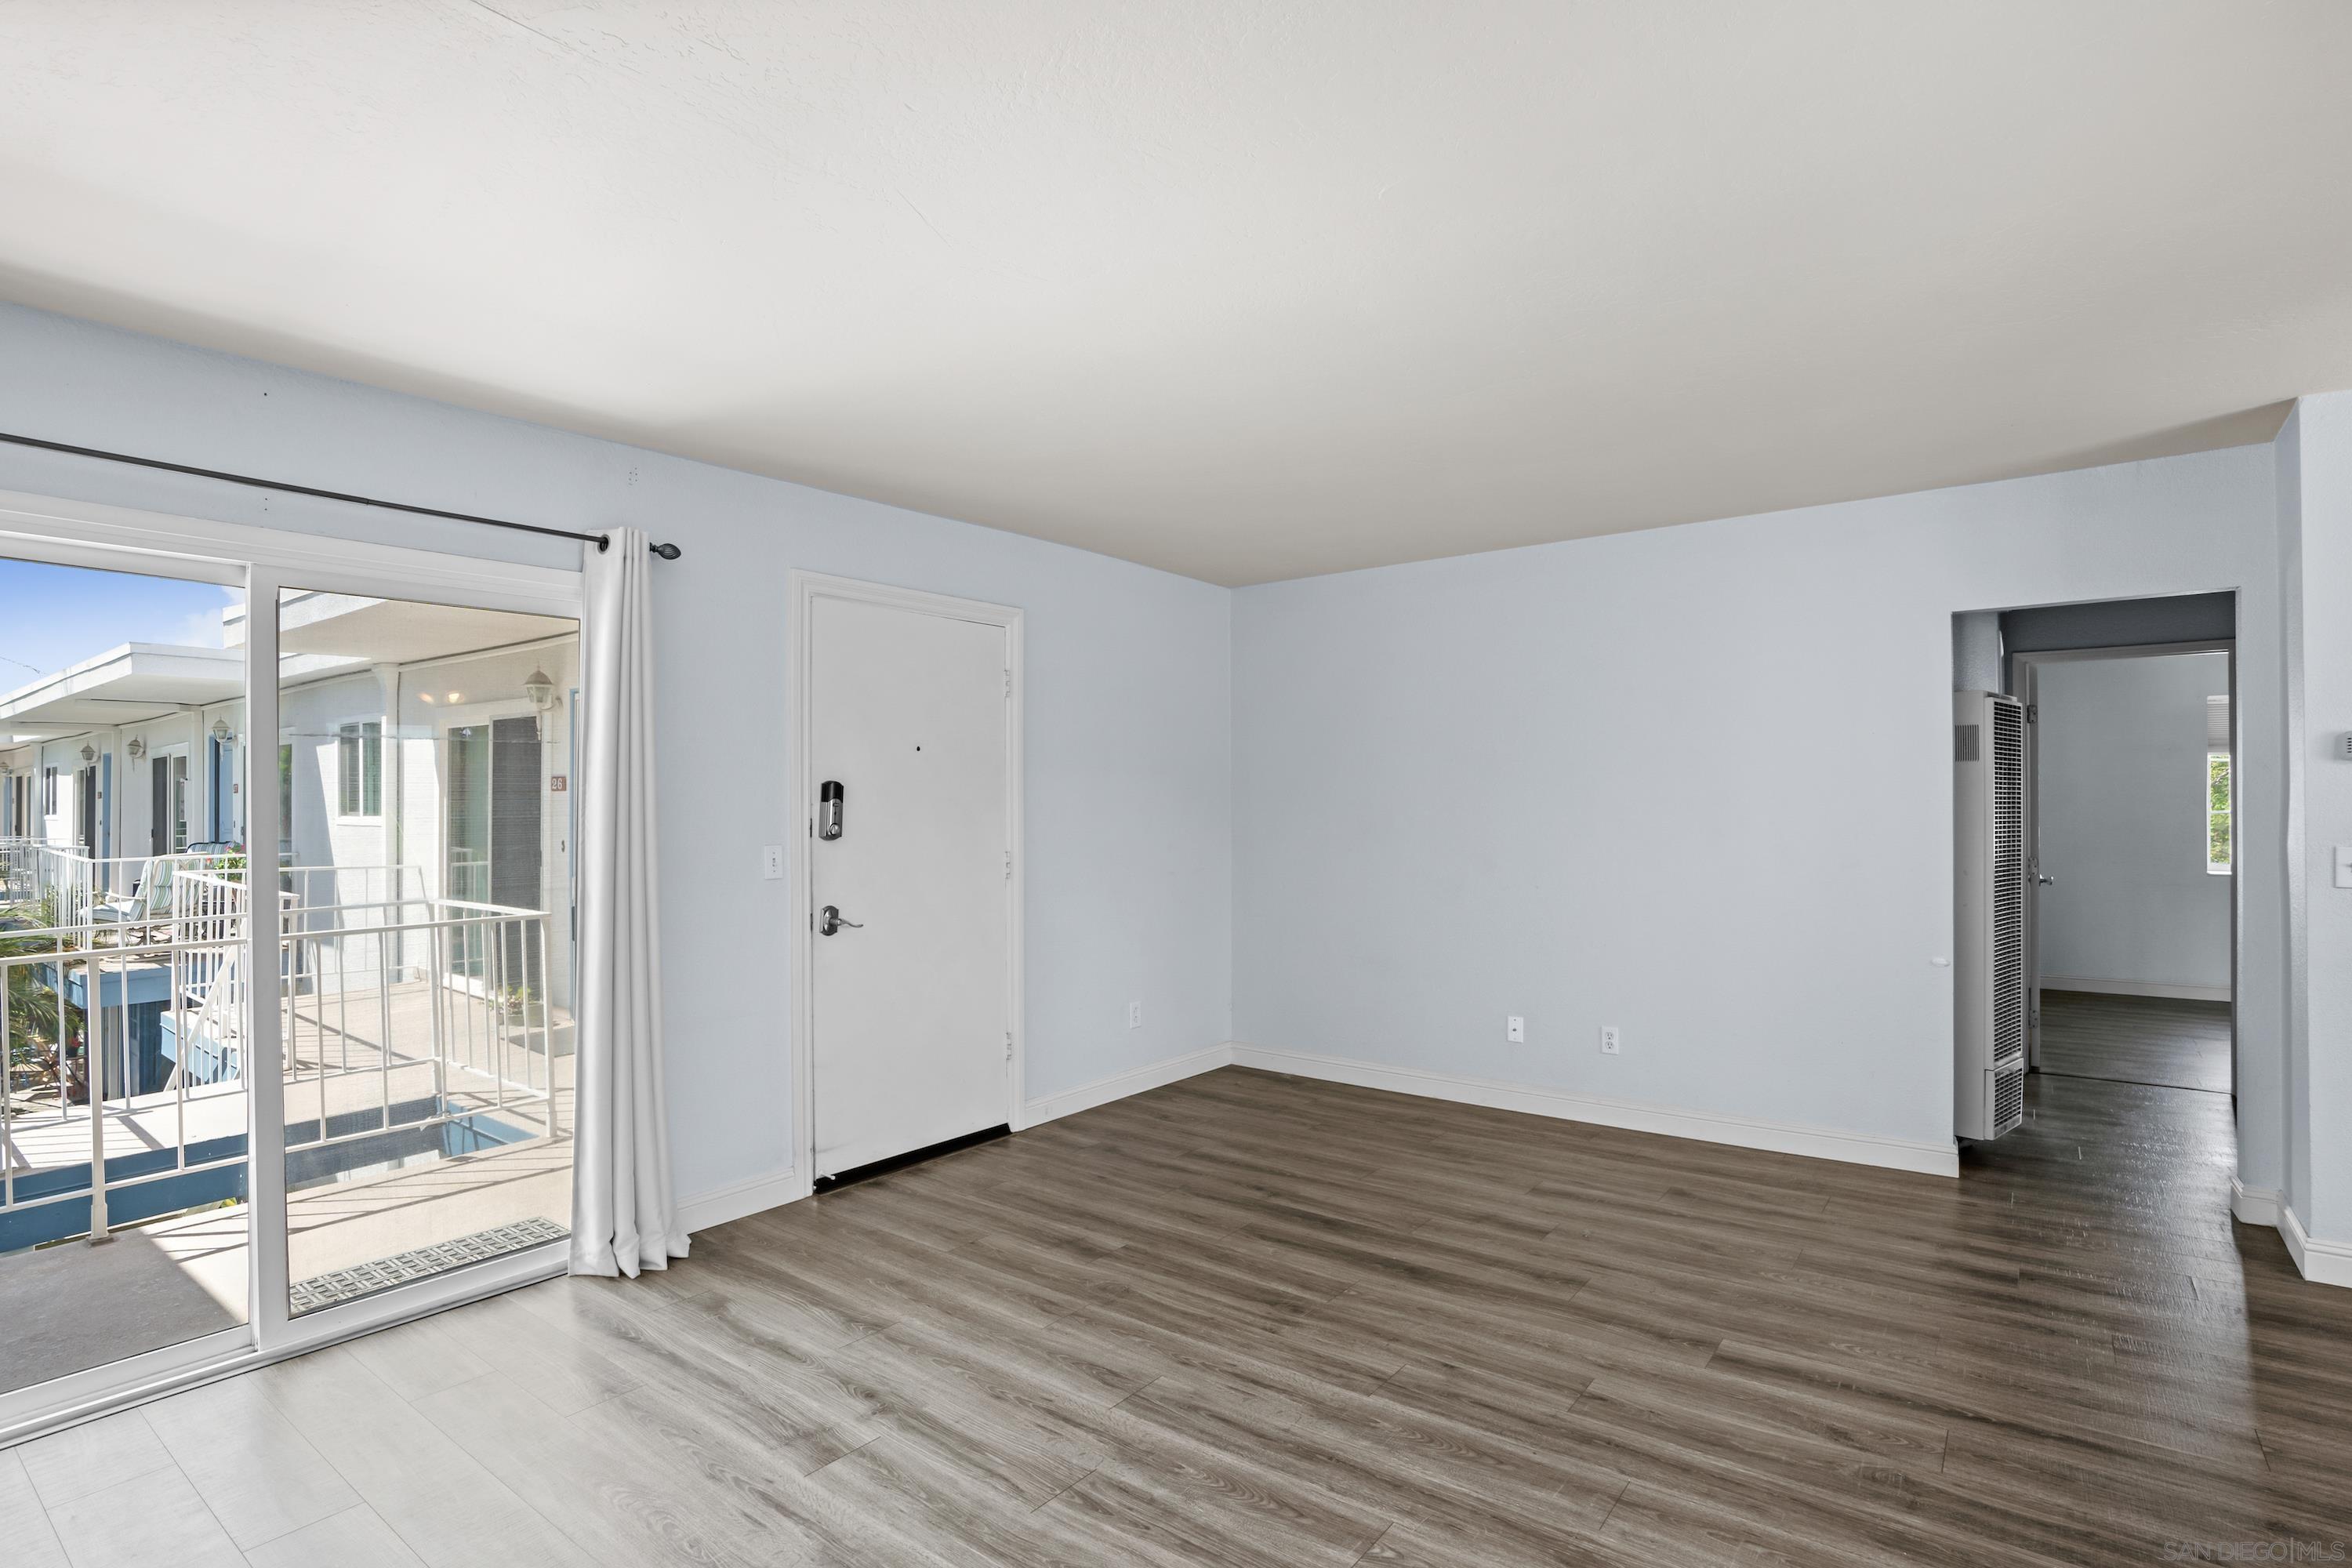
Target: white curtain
column 624, row 1218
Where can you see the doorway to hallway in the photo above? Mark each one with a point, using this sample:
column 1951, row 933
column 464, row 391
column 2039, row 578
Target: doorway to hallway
column 2131, row 839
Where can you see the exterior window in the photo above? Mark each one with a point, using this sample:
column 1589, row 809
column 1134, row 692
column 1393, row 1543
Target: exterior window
column 49, row 792
column 286, row 792
column 2217, row 785
column 2217, row 813
column 360, row 756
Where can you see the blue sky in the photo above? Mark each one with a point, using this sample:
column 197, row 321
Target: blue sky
column 51, row 617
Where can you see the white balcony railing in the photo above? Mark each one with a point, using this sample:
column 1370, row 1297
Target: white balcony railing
column 76, row 888
column 413, row 1027
column 75, row 1116
column 17, row 869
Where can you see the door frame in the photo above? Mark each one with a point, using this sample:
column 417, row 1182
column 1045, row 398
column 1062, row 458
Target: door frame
column 163, row 756
column 2023, row 681
column 466, row 717
column 805, row 588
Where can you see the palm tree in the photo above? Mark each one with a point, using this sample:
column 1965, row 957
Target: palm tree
column 34, row 1012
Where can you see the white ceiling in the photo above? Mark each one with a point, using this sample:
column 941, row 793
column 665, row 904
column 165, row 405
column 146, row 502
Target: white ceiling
column 1243, row 289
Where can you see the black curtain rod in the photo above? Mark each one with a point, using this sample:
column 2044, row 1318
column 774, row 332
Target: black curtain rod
column 666, row 551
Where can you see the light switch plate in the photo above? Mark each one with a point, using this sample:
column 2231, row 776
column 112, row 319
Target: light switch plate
column 772, row 861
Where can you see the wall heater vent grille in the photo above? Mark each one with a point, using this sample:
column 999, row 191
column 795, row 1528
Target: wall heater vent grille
column 2008, row 1100
column 2008, row 886
column 1989, row 931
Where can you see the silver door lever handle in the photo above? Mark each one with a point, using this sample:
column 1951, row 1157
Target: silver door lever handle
column 829, row 921
column 2045, row 881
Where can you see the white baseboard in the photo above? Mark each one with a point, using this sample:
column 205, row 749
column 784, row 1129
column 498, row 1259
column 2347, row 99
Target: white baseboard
column 2253, row 1205
column 1119, row 1085
column 2163, row 988
column 733, row 1202
column 1942, row 1159
column 2320, row 1262
column 776, row 1188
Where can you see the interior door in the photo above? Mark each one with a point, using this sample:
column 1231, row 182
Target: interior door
column 911, row 982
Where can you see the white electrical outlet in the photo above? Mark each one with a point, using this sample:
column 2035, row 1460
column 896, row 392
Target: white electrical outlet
column 1612, row 1043
column 1515, row 1030
column 1135, row 1014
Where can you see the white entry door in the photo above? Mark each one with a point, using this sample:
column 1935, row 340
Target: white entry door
column 909, row 981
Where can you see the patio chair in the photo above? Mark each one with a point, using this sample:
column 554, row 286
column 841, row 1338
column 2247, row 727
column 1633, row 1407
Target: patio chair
column 149, row 905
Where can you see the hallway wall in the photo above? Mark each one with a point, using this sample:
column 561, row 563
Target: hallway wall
column 2122, row 765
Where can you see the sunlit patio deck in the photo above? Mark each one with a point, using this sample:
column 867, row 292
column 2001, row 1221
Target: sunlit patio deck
column 71, row 1305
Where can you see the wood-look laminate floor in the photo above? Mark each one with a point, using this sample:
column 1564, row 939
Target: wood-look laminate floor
column 2137, row 1039
column 1250, row 1319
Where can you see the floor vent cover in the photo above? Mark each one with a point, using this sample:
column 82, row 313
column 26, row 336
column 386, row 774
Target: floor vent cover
column 342, row 1285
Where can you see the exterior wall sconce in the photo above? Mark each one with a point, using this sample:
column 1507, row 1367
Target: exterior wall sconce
column 221, row 731
column 137, row 748
column 541, row 689
column 88, row 754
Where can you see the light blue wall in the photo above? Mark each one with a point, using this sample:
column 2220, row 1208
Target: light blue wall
column 2315, row 468
column 1128, row 746
column 2294, row 847
column 1693, row 782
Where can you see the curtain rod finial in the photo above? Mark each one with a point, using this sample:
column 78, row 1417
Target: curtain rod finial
column 666, row 551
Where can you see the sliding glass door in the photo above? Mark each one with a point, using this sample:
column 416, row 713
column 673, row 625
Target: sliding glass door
column 124, row 1136
column 425, row 1025
column 286, row 937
